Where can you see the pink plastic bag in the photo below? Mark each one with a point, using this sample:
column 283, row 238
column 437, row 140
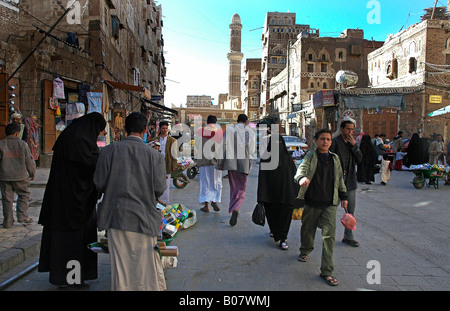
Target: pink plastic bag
column 349, row 221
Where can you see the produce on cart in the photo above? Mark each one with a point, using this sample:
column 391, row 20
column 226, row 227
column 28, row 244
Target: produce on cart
column 427, row 174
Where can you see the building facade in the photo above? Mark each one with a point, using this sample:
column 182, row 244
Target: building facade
column 251, row 93
column 280, row 30
column 312, row 66
column 417, row 57
column 108, row 47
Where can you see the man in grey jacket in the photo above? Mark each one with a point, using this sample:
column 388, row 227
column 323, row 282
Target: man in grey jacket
column 132, row 175
column 347, row 149
column 17, row 168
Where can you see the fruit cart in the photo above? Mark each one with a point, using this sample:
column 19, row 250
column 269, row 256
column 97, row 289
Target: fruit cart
column 427, row 176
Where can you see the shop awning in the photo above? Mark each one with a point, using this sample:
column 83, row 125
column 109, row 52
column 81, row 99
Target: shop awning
column 159, row 106
column 439, row 112
column 375, row 101
column 123, row 86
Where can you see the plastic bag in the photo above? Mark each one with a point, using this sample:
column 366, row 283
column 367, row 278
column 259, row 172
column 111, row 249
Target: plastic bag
column 349, row 221
column 297, row 214
column 259, row 215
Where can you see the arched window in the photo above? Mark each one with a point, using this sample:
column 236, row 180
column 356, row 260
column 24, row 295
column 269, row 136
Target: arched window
column 412, row 48
column 412, row 64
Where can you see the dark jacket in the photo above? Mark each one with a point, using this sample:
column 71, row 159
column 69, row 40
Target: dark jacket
column 349, row 156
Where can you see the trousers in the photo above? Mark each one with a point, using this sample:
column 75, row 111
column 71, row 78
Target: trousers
column 310, row 220
column 22, row 189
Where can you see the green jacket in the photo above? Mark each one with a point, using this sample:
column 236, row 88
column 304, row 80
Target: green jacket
column 308, row 169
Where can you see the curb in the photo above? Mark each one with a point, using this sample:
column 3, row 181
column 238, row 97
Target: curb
column 24, row 250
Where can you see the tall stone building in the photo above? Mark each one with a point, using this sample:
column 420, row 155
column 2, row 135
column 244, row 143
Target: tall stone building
column 417, row 57
column 108, row 47
column 234, row 58
column 279, row 30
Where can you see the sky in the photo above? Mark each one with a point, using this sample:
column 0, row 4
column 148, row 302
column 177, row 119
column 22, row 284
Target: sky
column 197, row 35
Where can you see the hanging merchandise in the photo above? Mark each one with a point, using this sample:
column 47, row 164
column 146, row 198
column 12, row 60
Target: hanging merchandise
column 58, row 89
column 95, row 102
column 53, row 103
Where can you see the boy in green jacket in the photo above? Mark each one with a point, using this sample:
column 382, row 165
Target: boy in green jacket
column 322, row 186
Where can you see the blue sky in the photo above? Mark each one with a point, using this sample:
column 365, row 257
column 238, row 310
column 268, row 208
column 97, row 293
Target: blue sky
column 196, row 33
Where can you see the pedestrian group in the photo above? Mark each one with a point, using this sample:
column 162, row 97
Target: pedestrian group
column 118, row 189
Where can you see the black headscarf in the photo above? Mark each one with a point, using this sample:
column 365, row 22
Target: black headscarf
column 78, row 142
column 70, row 196
column 417, row 151
column 278, row 186
column 368, row 150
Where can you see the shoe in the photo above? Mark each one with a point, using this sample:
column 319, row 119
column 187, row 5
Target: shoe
column 233, row 219
column 352, row 243
column 368, row 182
column 215, row 206
column 204, row 209
column 26, row 221
column 383, row 183
column 283, row 245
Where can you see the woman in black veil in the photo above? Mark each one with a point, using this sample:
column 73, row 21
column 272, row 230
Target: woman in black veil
column 68, row 208
column 277, row 189
column 366, row 168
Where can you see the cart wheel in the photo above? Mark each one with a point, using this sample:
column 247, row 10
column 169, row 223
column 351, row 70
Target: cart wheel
column 192, row 172
column 436, row 183
column 180, row 182
column 418, row 182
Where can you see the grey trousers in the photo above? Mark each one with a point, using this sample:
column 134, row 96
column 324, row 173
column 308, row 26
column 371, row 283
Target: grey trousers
column 22, row 189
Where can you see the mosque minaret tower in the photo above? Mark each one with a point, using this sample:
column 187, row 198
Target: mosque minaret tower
column 234, row 58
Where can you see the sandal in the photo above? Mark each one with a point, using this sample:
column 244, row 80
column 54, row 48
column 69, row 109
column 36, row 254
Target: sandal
column 215, row 206
column 331, row 280
column 303, row 258
column 283, row 245
column 205, row 209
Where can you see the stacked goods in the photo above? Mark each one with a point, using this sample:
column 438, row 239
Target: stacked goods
column 172, row 221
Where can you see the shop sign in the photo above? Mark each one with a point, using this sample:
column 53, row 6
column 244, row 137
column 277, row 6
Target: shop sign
column 435, row 99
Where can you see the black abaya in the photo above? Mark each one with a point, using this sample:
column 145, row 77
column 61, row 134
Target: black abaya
column 68, row 207
column 366, row 168
column 278, row 191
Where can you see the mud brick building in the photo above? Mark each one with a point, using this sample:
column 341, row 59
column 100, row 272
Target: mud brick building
column 108, row 47
column 417, row 57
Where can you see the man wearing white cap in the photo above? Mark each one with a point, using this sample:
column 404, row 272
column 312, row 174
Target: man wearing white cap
column 23, row 134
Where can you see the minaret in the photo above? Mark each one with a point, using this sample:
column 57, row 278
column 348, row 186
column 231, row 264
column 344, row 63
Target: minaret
column 235, row 57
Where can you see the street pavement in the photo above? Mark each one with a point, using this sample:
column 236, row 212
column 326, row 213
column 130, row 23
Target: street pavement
column 404, row 235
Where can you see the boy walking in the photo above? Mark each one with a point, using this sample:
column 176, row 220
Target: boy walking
column 322, row 185
column 17, row 167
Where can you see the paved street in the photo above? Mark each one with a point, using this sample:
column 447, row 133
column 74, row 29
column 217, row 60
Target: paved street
column 403, row 231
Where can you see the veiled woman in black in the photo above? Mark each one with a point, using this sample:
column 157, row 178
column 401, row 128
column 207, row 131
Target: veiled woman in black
column 278, row 191
column 417, row 151
column 366, row 168
column 68, row 207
